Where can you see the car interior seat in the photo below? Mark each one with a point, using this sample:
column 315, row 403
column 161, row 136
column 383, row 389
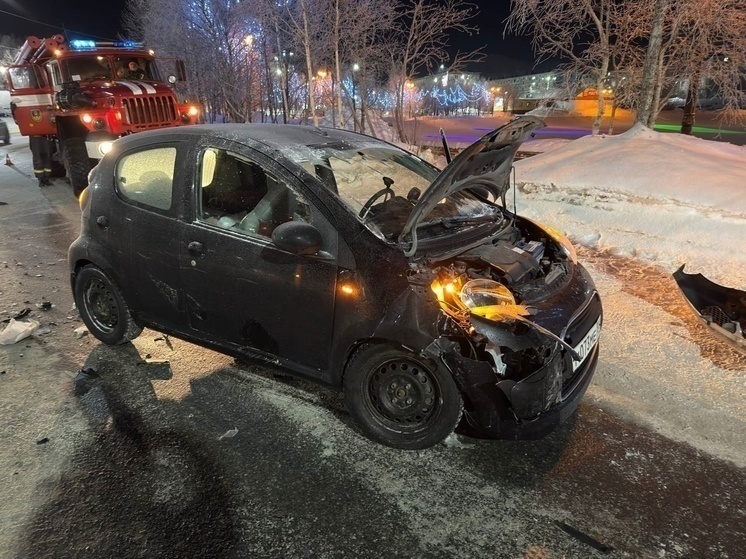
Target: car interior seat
column 235, row 189
column 276, row 207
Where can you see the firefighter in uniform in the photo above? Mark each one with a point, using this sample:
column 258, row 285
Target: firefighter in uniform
column 42, row 158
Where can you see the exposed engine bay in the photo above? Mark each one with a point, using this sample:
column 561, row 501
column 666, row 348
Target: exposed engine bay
column 487, row 292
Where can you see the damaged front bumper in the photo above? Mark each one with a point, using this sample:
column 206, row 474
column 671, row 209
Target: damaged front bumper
column 505, row 409
column 498, row 404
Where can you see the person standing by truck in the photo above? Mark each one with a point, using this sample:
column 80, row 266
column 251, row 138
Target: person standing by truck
column 42, row 159
column 67, row 91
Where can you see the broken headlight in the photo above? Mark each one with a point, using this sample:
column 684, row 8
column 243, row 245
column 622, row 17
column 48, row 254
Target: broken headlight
column 485, row 293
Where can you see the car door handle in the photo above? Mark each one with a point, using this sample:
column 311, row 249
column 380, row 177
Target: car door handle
column 195, row 248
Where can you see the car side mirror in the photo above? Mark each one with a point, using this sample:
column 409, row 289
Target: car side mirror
column 297, row 237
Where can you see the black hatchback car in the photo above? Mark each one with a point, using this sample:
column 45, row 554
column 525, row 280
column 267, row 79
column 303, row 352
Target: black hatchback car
column 349, row 261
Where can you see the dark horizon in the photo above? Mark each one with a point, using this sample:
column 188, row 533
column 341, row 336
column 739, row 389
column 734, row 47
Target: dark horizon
column 504, row 56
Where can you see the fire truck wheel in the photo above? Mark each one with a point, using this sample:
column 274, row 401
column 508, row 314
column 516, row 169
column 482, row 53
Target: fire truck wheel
column 77, row 164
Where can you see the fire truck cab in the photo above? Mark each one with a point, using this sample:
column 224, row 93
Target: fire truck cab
column 85, row 94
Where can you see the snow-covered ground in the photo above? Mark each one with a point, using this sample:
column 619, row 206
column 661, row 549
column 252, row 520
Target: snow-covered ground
column 643, row 203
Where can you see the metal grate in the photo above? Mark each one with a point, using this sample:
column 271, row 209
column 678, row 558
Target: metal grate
column 716, row 315
column 149, row 112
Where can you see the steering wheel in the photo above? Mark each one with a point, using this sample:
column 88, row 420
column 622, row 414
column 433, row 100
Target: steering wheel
column 372, row 200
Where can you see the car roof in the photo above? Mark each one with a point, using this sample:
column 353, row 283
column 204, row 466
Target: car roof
column 272, row 135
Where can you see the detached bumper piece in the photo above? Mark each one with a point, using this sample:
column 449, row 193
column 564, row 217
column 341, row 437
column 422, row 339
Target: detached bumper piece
column 721, row 309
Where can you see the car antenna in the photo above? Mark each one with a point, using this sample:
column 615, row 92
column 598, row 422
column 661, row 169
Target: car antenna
column 445, row 146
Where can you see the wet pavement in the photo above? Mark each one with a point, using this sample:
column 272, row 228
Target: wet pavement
column 165, row 449
column 251, row 464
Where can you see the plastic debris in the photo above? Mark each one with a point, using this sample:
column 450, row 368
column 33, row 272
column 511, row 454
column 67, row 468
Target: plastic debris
column 43, row 331
column 80, row 332
column 23, row 313
column 45, row 305
column 453, row 441
column 82, row 381
column 229, row 434
column 17, row 330
column 585, row 538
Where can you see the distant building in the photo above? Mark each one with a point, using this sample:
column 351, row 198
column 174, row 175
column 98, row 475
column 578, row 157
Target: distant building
column 521, row 94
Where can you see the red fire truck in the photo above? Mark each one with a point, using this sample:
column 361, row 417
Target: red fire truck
column 84, row 94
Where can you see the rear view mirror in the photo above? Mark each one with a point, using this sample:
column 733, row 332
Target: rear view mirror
column 297, row 237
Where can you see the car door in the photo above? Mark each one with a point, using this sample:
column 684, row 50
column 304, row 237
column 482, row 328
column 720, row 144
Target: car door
column 240, row 287
column 147, row 190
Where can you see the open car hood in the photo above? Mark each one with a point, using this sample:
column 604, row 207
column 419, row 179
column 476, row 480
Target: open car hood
column 485, row 164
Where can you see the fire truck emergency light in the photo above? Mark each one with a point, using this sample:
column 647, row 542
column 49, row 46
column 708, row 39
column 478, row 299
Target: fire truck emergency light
column 82, row 44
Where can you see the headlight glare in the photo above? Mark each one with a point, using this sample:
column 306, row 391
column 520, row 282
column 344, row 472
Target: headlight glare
column 484, row 293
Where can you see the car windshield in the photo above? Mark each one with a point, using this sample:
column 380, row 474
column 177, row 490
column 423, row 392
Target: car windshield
column 382, row 184
column 88, row 68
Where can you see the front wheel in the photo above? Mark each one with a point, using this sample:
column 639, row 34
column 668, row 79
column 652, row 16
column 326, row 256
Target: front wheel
column 102, row 307
column 400, row 399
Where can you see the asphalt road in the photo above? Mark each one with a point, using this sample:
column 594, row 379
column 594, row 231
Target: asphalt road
column 164, row 449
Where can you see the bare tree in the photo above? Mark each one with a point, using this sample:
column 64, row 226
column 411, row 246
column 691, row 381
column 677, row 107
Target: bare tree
column 9, row 45
column 423, row 30
column 580, row 32
column 304, row 21
column 359, row 29
column 713, row 54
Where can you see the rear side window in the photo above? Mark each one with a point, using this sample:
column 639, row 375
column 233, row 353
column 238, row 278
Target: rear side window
column 147, row 177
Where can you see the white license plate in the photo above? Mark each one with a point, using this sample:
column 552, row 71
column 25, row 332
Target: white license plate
column 586, row 344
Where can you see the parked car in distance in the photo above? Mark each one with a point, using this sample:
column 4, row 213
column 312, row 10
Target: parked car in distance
column 4, row 133
column 344, row 259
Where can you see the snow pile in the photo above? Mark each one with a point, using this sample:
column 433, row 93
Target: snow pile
column 667, row 199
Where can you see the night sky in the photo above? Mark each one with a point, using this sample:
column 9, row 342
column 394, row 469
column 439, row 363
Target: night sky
column 101, row 19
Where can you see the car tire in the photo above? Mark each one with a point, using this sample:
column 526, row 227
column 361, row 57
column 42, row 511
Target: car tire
column 400, row 399
column 77, row 164
column 6, row 140
column 103, row 308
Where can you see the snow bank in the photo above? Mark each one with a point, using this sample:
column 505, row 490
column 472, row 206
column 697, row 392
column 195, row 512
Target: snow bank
column 667, row 199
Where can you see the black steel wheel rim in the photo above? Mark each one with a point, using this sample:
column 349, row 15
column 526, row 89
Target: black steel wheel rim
column 403, row 395
column 101, row 305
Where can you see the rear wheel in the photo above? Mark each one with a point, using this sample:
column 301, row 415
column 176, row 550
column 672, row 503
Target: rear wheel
column 102, row 307
column 77, row 164
column 400, row 399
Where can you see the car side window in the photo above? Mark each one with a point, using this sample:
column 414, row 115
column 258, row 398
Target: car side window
column 147, row 177
column 241, row 195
